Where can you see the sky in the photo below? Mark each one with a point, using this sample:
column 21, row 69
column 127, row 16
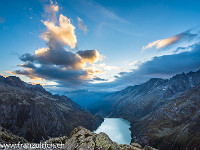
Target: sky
column 98, row 44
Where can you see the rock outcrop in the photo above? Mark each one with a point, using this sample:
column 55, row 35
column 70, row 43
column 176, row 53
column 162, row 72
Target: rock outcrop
column 80, row 139
column 83, row 139
column 6, row 137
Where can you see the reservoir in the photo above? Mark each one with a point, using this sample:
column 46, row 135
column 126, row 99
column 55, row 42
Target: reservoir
column 117, row 129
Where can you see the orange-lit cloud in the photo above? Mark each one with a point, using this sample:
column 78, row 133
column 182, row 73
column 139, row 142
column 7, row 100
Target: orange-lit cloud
column 162, row 43
column 41, row 51
column 91, row 56
column 64, row 32
column 169, row 41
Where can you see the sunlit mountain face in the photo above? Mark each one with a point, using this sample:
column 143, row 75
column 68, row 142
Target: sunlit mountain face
column 82, row 61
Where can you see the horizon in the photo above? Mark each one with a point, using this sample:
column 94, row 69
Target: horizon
column 86, row 90
column 64, row 48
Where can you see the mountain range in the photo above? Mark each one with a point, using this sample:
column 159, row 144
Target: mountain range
column 163, row 112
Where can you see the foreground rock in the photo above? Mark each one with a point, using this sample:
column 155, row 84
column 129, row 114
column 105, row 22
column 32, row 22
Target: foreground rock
column 31, row 112
column 83, row 139
column 6, row 137
column 80, row 139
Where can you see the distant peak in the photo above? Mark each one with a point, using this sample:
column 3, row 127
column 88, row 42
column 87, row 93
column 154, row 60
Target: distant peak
column 13, row 78
column 15, row 81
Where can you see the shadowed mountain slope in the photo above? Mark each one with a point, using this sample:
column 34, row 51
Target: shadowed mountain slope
column 143, row 106
column 35, row 114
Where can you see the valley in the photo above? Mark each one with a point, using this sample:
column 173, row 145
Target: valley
column 162, row 113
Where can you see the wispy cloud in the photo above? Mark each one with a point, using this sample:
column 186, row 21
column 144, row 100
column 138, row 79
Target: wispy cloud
column 51, row 11
column 100, row 11
column 103, row 16
column 187, row 35
column 81, row 25
column 133, row 63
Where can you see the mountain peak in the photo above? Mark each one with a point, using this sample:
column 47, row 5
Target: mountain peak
column 15, row 81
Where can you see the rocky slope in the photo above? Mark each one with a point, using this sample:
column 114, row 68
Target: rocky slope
column 6, row 137
column 175, row 125
column 79, row 139
column 35, row 114
column 138, row 102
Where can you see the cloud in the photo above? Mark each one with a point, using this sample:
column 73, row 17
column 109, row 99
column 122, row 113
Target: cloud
column 164, row 66
column 81, row 25
column 97, row 12
column 91, row 56
column 172, row 64
column 28, row 64
column 187, row 35
column 51, row 8
column 133, row 63
column 56, row 73
column 57, row 55
column 51, row 11
column 123, row 73
column 55, row 62
column 64, row 32
column 99, row 79
column 102, row 17
column 103, row 66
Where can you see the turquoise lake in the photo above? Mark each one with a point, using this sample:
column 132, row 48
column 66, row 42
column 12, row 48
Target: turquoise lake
column 117, row 129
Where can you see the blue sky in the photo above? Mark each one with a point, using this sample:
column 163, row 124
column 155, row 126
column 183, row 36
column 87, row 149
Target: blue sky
column 118, row 30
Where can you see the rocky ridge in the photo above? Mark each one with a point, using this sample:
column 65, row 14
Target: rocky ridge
column 80, row 139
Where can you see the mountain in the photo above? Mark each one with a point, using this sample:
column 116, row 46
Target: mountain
column 79, row 139
column 175, row 125
column 31, row 112
column 86, row 99
column 140, row 101
column 137, row 101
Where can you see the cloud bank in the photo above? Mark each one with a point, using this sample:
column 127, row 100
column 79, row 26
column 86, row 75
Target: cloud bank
column 164, row 66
